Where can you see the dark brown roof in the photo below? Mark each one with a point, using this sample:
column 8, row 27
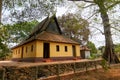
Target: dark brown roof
column 50, row 37
column 84, row 48
column 43, row 26
column 47, row 36
column 39, row 26
column 47, row 30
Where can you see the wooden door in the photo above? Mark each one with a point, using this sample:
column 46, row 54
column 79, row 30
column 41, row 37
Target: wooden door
column 22, row 52
column 74, row 50
column 46, row 53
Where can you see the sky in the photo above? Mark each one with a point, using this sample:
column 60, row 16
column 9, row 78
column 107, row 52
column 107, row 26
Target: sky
column 96, row 37
column 97, row 40
column 61, row 11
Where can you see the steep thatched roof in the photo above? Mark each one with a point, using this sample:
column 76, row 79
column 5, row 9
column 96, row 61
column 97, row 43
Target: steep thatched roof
column 45, row 26
column 48, row 30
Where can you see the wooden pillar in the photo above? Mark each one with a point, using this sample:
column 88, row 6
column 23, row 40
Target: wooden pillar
column 58, row 71
column 95, row 64
column 36, row 73
column 74, row 67
column 86, row 66
column 3, row 75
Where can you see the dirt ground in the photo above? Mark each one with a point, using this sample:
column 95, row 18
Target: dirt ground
column 100, row 74
column 111, row 74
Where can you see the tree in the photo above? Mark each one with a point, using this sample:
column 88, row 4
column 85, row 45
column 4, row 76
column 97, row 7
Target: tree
column 4, row 50
column 24, row 10
column 0, row 10
column 75, row 27
column 13, row 34
column 19, row 31
column 3, row 46
column 104, row 6
column 92, row 47
column 20, row 12
column 102, row 49
column 117, row 48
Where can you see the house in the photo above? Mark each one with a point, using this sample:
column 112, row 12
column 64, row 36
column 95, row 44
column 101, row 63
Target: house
column 85, row 52
column 46, row 42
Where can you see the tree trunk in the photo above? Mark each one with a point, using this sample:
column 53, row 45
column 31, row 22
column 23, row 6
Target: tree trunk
column 0, row 10
column 109, row 54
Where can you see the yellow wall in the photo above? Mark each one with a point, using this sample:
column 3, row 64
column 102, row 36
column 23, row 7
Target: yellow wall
column 54, row 53
column 78, row 50
column 29, row 53
column 18, row 51
column 61, row 52
column 38, row 50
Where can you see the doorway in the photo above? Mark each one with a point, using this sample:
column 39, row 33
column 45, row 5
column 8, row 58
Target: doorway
column 46, row 49
column 74, row 50
column 22, row 52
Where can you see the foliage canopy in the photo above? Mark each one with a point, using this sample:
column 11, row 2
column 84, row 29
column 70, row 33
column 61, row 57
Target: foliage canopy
column 75, row 27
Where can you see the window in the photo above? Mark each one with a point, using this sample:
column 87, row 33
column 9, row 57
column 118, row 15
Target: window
column 26, row 49
column 65, row 48
column 32, row 48
column 19, row 51
column 57, row 48
column 22, row 50
column 16, row 51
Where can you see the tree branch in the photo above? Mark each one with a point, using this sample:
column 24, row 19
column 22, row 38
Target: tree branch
column 115, row 28
column 117, row 2
column 0, row 10
column 83, row 0
column 85, row 6
column 99, row 30
column 92, row 15
column 89, row 5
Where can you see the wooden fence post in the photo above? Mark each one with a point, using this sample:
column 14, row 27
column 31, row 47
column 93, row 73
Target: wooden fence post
column 50, row 73
column 58, row 71
column 74, row 67
column 36, row 73
column 3, row 74
column 86, row 66
column 95, row 65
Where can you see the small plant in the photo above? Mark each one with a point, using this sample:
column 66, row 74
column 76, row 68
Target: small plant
column 104, row 64
column 92, row 56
